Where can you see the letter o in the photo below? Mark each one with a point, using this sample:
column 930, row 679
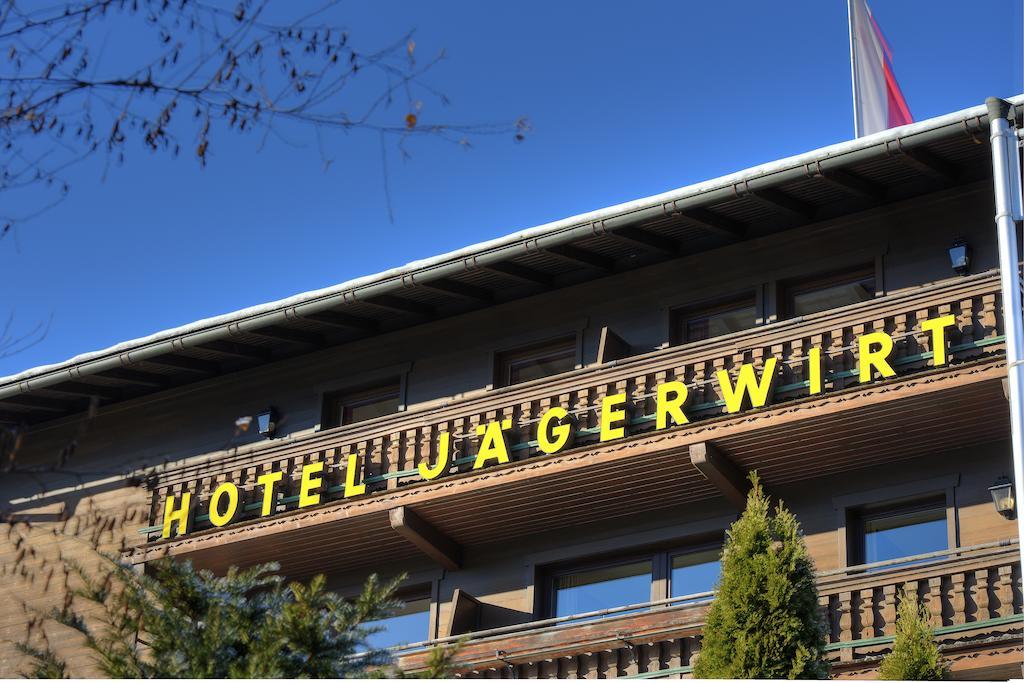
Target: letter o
column 231, row 491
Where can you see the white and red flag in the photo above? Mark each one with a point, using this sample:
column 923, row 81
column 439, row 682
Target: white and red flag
column 878, row 102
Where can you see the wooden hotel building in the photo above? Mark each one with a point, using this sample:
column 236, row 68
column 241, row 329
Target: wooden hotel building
column 549, row 432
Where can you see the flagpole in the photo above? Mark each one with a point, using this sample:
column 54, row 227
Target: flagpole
column 853, row 70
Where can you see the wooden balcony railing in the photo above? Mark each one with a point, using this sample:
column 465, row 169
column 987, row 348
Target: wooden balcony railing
column 390, row 449
column 973, row 596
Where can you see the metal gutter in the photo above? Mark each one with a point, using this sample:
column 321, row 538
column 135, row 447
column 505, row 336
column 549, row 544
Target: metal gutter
column 885, row 143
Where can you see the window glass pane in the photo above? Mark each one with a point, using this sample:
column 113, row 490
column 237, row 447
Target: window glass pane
column 834, row 294
column 902, row 534
column 410, row 624
column 596, row 589
column 526, row 370
column 346, row 407
column 367, row 410
column 719, row 323
column 695, row 572
column 533, row 362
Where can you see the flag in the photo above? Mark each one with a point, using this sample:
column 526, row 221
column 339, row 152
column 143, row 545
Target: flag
column 878, row 102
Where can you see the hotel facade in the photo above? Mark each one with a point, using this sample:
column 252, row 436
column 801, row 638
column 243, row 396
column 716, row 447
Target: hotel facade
column 550, row 433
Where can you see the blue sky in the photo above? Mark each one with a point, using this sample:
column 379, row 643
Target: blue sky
column 625, row 99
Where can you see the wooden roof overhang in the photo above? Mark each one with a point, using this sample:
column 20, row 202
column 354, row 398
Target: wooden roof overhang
column 847, row 430
column 846, row 179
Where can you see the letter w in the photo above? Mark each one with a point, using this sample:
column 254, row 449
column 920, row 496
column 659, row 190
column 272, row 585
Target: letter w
column 747, row 385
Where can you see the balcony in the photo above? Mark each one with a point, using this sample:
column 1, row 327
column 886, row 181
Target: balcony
column 795, row 436
column 973, row 595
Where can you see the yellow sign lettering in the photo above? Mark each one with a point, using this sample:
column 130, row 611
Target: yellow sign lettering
column 814, row 369
column 613, row 410
column 875, row 358
column 758, row 389
column 493, row 446
column 180, row 515
column 311, row 479
column 444, row 457
column 267, row 481
column 553, row 438
column 672, row 396
column 351, row 469
column 218, row 518
column 743, row 387
column 937, row 326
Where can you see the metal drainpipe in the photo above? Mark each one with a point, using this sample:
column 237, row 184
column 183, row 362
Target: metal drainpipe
column 1006, row 181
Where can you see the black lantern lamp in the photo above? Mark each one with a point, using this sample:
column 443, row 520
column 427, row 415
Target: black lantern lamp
column 960, row 257
column 1002, row 497
column 266, row 422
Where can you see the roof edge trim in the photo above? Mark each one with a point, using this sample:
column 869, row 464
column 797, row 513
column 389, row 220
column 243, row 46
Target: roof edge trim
column 609, row 219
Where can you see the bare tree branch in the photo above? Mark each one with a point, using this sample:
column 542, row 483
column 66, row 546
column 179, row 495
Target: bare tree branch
column 210, row 69
column 12, row 342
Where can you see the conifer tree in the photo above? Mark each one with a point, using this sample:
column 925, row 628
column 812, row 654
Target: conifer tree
column 764, row 621
column 178, row 622
column 914, row 656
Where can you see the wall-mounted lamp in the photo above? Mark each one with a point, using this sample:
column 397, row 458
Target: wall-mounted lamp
column 960, row 257
column 266, row 422
column 1002, row 497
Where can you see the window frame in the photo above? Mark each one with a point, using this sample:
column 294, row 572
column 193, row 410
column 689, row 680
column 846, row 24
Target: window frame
column 847, row 507
column 553, row 573
column 679, row 316
column 690, row 550
column 823, row 279
column 426, row 590
column 862, row 515
column 501, row 366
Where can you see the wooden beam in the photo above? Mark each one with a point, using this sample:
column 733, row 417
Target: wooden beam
column 582, row 257
column 401, row 305
column 929, row 164
column 716, row 223
column 722, row 472
column 237, row 350
column 186, row 363
column 518, row 272
column 86, row 389
column 647, row 240
column 853, row 184
column 148, row 379
column 346, row 320
column 432, row 542
column 289, row 334
column 785, row 204
column 611, row 347
column 39, row 403
column 459, row 289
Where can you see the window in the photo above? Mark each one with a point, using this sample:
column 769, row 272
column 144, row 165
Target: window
column 821, row 293
column 408, row 624
column 536, row 361
column 601, row 588
column 892, row 532
column 637, row 578
column 695, row 324
column 694, row 572
column 342, row 408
